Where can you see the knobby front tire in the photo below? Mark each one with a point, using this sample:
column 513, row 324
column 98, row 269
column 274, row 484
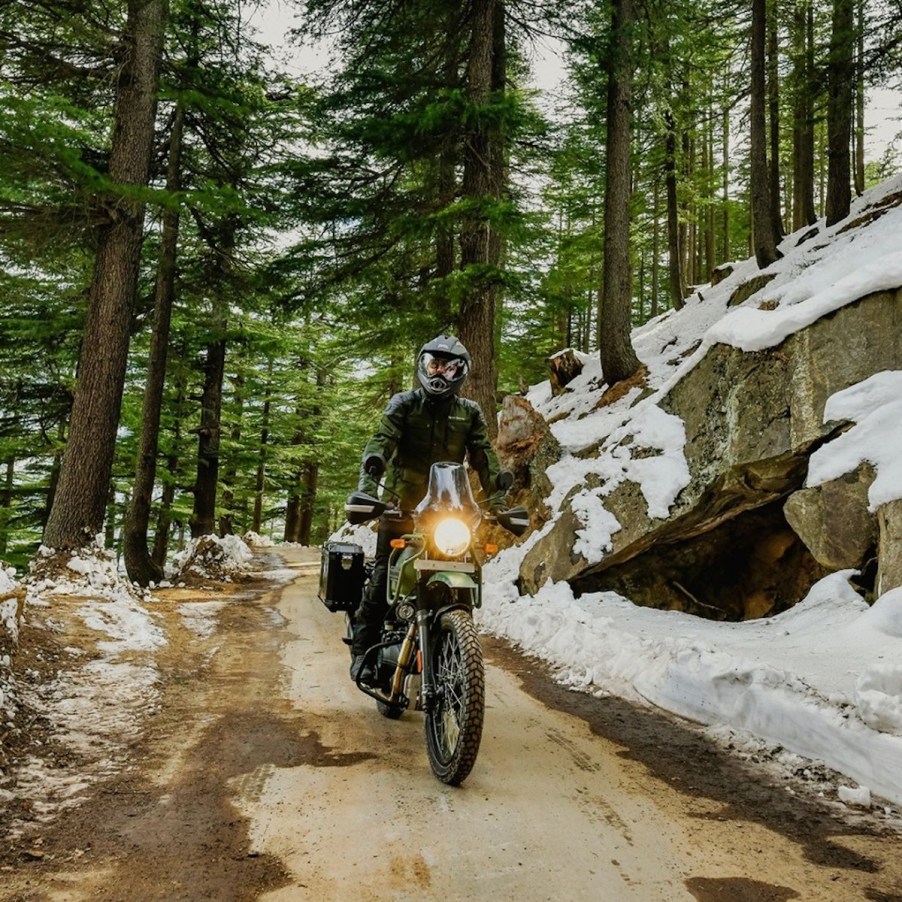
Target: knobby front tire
column 454, row 723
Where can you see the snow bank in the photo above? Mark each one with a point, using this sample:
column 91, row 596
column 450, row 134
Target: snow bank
column 823, row 679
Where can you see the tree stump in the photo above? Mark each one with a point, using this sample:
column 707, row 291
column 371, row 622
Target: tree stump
column 565, row 366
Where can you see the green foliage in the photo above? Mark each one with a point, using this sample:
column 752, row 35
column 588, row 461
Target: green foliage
column 319, row 224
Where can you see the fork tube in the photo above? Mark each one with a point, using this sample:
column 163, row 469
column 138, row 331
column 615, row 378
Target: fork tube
column 427, row 686
column 404, row 658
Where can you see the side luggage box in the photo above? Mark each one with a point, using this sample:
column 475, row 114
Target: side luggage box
column 341, row 576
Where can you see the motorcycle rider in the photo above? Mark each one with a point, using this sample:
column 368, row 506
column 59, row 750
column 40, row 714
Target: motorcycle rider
column 418, row 428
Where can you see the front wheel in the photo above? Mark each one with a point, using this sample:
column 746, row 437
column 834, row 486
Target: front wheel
column 454, row 720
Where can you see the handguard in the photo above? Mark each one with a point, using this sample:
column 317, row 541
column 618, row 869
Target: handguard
column 515, row 520
column 361, row 507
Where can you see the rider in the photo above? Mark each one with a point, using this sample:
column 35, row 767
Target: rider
column 418, row 428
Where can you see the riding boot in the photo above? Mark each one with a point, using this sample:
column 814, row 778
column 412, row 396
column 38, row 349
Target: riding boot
column 362, row 670
column 366, row 627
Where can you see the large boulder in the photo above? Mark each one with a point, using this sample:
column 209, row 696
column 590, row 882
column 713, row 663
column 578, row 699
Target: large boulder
column 751, row 421
column 833, row 520
column 526, row 446
column 889, row 572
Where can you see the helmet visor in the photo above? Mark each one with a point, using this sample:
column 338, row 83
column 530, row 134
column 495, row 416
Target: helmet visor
column 450, row 368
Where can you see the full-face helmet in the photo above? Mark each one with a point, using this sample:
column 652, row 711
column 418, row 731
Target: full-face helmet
column 442, row 366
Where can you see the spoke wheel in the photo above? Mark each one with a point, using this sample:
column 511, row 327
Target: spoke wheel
column 454, row 722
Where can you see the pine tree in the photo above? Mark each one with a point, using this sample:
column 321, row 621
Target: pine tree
column 840, row 78
column 618, row 359
column 79, row 505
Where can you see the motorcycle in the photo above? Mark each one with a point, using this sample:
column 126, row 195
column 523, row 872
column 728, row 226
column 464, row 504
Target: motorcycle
column 429, row 653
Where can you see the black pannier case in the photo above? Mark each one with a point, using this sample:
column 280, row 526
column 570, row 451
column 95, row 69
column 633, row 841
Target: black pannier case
column 341, row 576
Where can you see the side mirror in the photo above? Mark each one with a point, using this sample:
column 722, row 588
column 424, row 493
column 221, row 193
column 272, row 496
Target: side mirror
column 515, row 520
column 361, row 507
column 504, row 480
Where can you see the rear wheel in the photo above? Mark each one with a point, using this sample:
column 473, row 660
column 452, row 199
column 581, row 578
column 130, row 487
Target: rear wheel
column 454, row 721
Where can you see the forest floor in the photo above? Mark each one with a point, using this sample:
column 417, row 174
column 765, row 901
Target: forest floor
column 637, row 800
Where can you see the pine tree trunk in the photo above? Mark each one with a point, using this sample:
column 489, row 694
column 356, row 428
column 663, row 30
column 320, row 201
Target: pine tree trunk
column 227, row 510
column 726, row 247
column 203, row 517
column 773, row 112
column 762, row 217
column 444, row 237
column 655, row 250
column 139, row 564
column 79, row 504
column 804, row 88
column 308, row 501
column 859, row 100
column 692, row 212
column 164, row 515
column 674, row 267
column 292, row 516
column 799, row 92
column 710, row 217
column 840, row 74
column 302, row 498
column 618, row 359
column 479, row 249
column 260, row 482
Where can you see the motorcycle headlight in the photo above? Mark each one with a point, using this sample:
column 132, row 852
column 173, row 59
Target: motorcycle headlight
column 452, row 537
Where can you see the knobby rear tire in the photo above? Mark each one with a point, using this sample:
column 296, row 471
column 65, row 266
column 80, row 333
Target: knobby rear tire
column 454, row 723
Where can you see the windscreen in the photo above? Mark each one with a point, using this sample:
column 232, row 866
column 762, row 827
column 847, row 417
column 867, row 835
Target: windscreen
column 449, row 489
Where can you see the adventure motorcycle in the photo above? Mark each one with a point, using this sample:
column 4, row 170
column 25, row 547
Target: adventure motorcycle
column 429, row 652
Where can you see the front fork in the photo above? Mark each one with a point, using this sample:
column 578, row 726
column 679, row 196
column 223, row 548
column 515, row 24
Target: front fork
column 427, row 681
column 405, row 659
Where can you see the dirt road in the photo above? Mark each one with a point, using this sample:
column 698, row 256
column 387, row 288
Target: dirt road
column 267, row 775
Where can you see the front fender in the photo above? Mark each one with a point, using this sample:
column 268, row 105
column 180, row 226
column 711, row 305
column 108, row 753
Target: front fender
column 458, row 583
column 453, row 580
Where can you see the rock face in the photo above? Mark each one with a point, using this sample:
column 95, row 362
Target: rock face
column 526, row 447
column 833, row 521
column 744, row 528
column 889, row 573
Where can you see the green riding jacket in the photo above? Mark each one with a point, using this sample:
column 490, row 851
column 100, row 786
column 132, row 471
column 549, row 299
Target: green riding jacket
column 417, row 431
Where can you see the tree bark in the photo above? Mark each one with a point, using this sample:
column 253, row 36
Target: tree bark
column 139, row 564
column 203, row 517
column 674, row 253
column 309, row 482
column 764, row 240
column 655, row 249
column 773, row 112
column 302, row 495
column 618, row 359
column 164, row 515
column 803, row 209
column 479, row 248
column 711, row 180
column 840, row 74
column 79, row 504
column 227, row 509
column 859, row 99
column 726, row 247
column 260, row 482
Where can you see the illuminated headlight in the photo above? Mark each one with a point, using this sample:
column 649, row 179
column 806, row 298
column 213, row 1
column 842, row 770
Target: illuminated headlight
column 452, row 537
